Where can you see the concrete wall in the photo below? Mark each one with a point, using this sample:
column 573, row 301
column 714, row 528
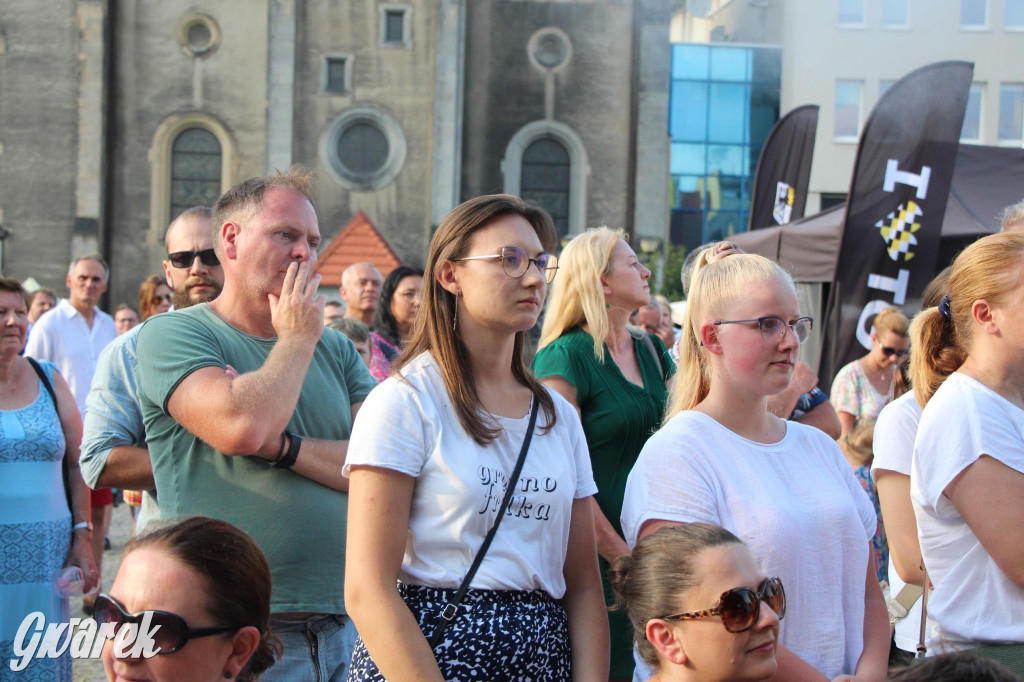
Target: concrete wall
column 504, row 92
column 38, row 138
column 395, row 80
column 157, row 80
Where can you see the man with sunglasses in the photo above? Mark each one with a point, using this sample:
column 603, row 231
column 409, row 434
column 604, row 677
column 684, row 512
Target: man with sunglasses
column 262, row 448
column 114, row 451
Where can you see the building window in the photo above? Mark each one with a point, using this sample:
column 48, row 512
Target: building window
column 195, row 170
column 544, row 179
column 851, row 13
column 971, row 130
column 723, row 102
column 546, row 162
column 336, row 76
column 395, row 28
column 1011, row 113
column 1014, row 19
column 974, row 14
column 364, row 149
column 198, row 35
column 895, row 13
column 830, row 199
column 847, row 122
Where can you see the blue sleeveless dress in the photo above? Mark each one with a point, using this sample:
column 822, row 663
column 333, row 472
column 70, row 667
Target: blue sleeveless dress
column 35, row 530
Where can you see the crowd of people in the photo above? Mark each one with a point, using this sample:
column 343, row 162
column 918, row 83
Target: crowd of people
column 406, row 484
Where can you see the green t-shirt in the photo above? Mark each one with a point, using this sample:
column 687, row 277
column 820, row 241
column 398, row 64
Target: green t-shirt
column 299, row 524
column 618, row 416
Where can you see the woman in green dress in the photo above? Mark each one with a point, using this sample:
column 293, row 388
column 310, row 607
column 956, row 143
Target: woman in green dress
column 614, row 375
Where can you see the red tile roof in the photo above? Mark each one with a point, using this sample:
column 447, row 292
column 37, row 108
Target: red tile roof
column 358, row 242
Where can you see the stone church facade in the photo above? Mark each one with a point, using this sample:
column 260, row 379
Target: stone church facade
column 115, row 115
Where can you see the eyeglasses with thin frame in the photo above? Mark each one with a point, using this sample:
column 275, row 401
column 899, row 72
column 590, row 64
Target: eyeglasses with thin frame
column 889, row 351
column 515, row 262
column 740, row 607
column 184, row 259
column 172, row 634
column 773, row 328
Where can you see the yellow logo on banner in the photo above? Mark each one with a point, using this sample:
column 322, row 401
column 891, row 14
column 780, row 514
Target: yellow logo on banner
column 898, row 230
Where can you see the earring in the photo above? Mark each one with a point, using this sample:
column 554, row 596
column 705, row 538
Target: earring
column 456, row 318
column 227, row 676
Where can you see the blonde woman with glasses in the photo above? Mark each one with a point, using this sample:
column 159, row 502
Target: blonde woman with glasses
column 783, row 488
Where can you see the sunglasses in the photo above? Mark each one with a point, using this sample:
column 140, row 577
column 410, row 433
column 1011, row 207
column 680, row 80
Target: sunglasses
column 171, row 635
column 773, row 328
column 889, row 351
column 740, row 607
column 515, row 262
column 184, row 259
column 158, row 298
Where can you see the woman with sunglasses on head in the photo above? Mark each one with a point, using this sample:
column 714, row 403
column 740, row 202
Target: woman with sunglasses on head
column 782, row 487
column 613, row 374
column 967, row 472
column 154, row 297
column 398, row 305
column 432, row 458
column 862, row 388
column 206, row 585
column 701, row 609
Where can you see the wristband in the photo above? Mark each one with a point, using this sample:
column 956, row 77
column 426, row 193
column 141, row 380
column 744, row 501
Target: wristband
column 82, row 525
column 284, row 446
column 286, row 462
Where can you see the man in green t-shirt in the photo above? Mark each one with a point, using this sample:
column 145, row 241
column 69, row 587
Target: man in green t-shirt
column 248, row 403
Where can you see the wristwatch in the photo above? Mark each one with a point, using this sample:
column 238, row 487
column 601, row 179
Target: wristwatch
column 82, row 525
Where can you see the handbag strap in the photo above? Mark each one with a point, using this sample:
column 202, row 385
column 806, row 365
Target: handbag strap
column 921, row 648
column 45, row 381
column 451, row 609
column 654, row 352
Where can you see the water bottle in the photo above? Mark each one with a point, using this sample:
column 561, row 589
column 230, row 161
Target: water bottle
column 69, row 581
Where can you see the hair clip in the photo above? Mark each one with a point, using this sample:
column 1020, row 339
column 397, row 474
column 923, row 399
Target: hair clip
column 944, row 308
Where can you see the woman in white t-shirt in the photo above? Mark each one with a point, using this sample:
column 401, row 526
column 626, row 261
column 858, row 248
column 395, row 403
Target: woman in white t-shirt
column 967, row 474
column 430, row 459
column 893, row 447
column 783, row 488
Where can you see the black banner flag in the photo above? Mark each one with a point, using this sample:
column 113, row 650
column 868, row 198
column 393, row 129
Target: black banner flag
column 897, row 199
column 784, row 169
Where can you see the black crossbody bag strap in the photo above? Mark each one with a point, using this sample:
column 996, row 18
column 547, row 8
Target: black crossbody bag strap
column 45, row 381
column 451, row 609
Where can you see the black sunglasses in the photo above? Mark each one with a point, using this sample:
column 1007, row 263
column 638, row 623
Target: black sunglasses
column 740, row 607
column 889, row 351
column 184, row 259
column 171, row 635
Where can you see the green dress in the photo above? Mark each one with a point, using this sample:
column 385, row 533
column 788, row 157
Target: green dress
column 618, row 417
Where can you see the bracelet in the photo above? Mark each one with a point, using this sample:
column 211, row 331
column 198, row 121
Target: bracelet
column 284, row 449
column 82, row 525
column 286, row 462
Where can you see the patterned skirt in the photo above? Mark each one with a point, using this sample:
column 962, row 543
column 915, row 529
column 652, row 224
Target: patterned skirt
column 497, row 636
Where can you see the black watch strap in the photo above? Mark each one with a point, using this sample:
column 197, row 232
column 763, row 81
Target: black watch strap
column 294, row 442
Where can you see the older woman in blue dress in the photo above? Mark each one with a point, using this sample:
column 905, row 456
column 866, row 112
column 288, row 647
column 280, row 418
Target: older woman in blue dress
column 36, row 434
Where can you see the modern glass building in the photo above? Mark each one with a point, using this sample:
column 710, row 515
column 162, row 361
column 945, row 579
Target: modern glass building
column 724, row 101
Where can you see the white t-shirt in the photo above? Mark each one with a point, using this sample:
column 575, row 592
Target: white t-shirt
column 973, row 600
column 62, row 337
column 409, row 426
column 796, row 505
column 895, row 430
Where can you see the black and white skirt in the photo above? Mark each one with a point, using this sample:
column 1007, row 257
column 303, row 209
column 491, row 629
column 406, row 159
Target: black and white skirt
column 496, row 636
